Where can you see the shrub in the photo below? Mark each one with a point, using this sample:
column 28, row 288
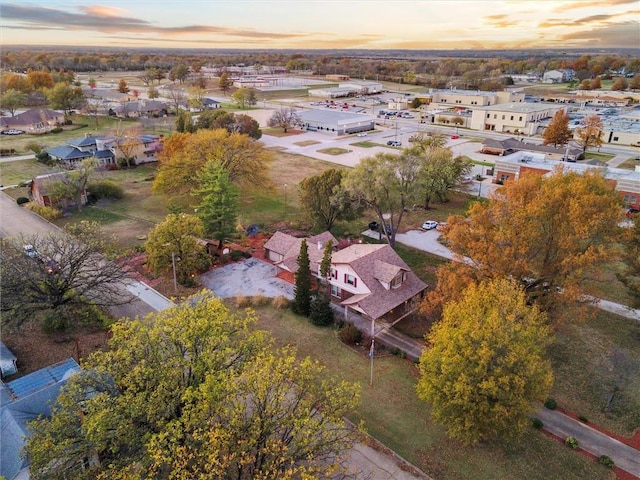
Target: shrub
column 243, row 302
column 571, row 442
column 260, row 300
column 551, row 404
column 394, row 351
column 350, row 334
column 106, row 189
column 54, row 321
column 57, row 130
column 537, row 423
column 21, row 200
column 35, row 147
column 236, row 255
column 321, row 313
column 280, row 303
column 606, row 461
column 44, row 157
column 583, row 419
column 48, row 213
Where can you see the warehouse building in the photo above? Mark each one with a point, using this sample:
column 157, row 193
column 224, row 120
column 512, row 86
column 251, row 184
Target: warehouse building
column 337, row 123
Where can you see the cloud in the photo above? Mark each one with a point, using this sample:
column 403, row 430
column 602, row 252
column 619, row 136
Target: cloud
column 109, row 20
column 575, row 5
column 622, row 34
column 499, row 21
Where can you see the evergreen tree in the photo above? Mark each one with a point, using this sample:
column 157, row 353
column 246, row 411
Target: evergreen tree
column 321, row 311
column 302, row 291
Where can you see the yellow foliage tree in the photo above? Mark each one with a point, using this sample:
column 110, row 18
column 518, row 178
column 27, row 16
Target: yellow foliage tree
column 185, row 154
column 485, row 365
column 549, row 233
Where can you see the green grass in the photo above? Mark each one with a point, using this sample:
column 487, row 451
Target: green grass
column 393, row 414
column 12, row 173
column 598, row 156
column 630, row 163
column 586, row 373
column 334, row 151
column 365, row 144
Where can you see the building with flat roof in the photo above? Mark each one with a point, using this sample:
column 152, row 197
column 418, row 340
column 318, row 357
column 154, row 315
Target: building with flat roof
column 333, row 122
column 445, row 99
column 362, row 87
column 513, row 117
column 512, row 167
column 333, row 92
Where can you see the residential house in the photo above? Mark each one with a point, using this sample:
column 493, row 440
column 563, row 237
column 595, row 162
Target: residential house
column 23, row 400
column 559, row 76
column 36, row 120
column 42, row 191
column 283, row 250
column 140, row 108
column 210, row 103
column 8, row 361
column 373, row 281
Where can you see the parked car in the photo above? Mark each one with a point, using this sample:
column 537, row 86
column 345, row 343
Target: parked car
column 429, row 225
column 361, row 134
column 373, row 226
column 454, row 137
column 30, row 251
column 394, row 143
column 12, row 131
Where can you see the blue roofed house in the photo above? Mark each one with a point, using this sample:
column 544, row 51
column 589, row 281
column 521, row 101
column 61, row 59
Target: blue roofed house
column 8, row 365
column 21, row 401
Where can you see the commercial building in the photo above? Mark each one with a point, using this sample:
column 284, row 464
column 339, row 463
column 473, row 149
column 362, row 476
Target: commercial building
column 337, row 123
column 446, row 99
column 513, row 117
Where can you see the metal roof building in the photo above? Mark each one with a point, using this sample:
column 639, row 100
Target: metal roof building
column 333, row 122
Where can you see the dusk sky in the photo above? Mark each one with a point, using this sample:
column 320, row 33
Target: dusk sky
column 307, row 24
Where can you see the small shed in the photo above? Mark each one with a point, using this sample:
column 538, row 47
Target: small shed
column 8, row 361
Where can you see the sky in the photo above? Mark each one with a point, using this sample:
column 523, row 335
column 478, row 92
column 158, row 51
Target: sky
column 327, row 24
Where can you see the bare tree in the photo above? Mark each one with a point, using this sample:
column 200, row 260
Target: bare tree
column 285, row 118
column 177, row 97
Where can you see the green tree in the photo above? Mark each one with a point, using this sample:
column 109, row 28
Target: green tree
column 153, row 92
column 174, row 242
column 218, row 207
column 325, row 201
column 550, row 233
column 325, row 264
column 244, row 97
column 65, row 97
column 122, row 86
column 179, row 72
column 196, row 98
column 184, row 122
column 387, row 184
column 11, row 100
column 558, row 132
column 68, row 275
column 92, row 83
column 225, row 82
column 589, row 132
column 302, row 292
column 486, row 363
column 74, row 184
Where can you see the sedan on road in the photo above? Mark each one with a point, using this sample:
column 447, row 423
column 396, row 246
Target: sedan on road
column 429, row 225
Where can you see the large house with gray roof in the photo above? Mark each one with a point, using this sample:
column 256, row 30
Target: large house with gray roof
column 36, row 120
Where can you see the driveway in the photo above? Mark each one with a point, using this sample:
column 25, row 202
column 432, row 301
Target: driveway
column 248, row 278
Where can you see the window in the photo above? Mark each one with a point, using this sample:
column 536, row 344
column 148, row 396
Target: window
column 336, row 291
column 495, row 116
column 334, row 273
column 520, row 118
column 350, row 280
column 626, row 198
column 488, row 115
column 397, row 281
column 502, row 117
column 511, row 117
column 615, row 139
column 634, row 199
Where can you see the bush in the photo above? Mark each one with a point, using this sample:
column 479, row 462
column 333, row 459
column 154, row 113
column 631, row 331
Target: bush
column 537, row 423
column 551, row 404
column 57, row 130
column 243, row 302
column 236, row 255
column 260, row 301
column 571, row 442
column 349, row 334
column 583, row 419
column 35, row 147
column 280, row 303
column 48, row 213
column 22, row 200
column 44, row 157
column 606, row 461
column 54, row 321
column 321, row 312
column 106, row 189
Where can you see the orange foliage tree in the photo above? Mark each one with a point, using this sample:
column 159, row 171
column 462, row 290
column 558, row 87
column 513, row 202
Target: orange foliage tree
column 550, row 234
column 557, row 133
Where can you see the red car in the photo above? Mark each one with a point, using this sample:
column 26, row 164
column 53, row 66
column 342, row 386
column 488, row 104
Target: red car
column 454, row 137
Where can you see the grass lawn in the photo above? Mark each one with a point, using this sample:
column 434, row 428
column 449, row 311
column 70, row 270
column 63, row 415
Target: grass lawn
column 306, row 143
column 334, row 151
column 393, row 414
column 630, row 163
column 365, row 144
column 12, row 173
column 278, row 132
column 604, row 157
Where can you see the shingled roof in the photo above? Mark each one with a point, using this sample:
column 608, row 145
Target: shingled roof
column 289, row 247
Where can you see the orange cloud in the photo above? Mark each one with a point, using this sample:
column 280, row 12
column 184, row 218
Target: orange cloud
column 102, row 10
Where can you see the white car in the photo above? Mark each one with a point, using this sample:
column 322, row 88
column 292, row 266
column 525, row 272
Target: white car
column 361, row 134
column 429, row 225
column 30, row 251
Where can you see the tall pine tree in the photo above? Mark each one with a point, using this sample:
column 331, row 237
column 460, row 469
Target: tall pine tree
column 321, row 311
column 302, row 291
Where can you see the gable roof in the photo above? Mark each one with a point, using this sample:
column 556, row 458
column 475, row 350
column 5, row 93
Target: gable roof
column 517, row 145
column 33, row 116
column 67, row 152
column 289, row 247
column 22, row 401
column 375, row 265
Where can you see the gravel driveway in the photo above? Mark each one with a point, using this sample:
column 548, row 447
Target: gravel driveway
column 249, row 277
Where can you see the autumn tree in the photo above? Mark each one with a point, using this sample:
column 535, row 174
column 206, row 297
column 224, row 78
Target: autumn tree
column 244, row 97
column 634, row 84
column 174, row 242
column 585, row 84
column 196, row 98
column 325, row 201
column 13, row 81
column 386, row 183
column 40, row 79
column 302, row 291
column 218, row 207
column 596, row 83
column 122, row 86
column 179, row 72
column 549, row 233
column 11, row 100
column 225, row 82
column 128, row 145
column 485, row 365
column 558, row 132
column 589, row 132
column 246, row 160
column 232, row 123
column 68, row 275
column 620, row 84
column 284, row 118
column 92, row 83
